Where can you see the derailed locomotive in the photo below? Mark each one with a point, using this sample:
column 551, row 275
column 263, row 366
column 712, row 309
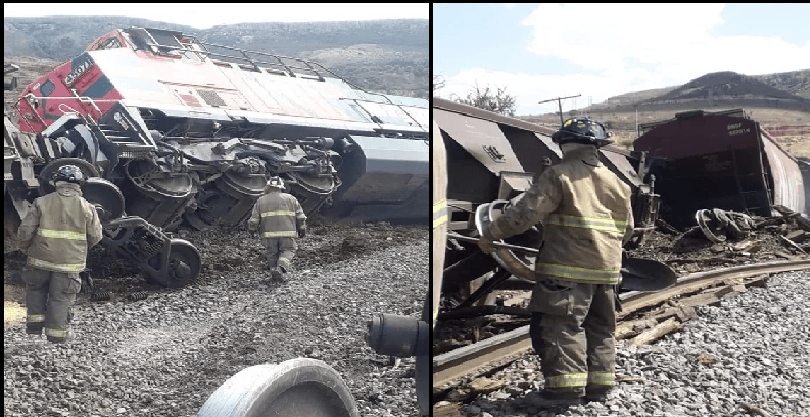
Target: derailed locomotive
column 177, row 131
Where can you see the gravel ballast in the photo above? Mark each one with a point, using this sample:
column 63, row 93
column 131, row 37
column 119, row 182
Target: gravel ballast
column 747, row 356
column 165, row 355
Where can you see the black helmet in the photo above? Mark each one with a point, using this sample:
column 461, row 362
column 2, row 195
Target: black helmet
column 582, row 130
column 69, row 173
column 275, row 181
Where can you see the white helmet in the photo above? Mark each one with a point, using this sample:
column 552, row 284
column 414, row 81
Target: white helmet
column 275, row 181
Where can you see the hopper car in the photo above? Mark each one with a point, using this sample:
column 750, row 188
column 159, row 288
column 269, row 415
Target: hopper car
column 722, row 159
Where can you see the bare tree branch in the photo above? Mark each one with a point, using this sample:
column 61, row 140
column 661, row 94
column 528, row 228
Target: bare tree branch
column 498, row 102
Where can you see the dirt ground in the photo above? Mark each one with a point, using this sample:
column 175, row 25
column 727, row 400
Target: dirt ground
column 187, row 342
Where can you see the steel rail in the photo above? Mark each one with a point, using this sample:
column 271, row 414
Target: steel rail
column 454, row 364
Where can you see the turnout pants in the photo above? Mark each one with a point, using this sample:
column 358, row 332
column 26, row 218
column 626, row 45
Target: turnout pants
column 50, row 297
column 572, row 329
column 280, row 252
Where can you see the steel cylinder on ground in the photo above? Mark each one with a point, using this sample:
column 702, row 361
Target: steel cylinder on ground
column 296, row 387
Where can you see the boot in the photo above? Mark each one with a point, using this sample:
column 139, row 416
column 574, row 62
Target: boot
column 57, row 339
column 550, row 398
column 33, row 329
column 282, row 273
column 599, row 394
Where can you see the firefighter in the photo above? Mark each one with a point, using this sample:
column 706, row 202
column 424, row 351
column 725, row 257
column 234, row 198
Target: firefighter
column 279, row 218
column 56, row 234
column 587, row 219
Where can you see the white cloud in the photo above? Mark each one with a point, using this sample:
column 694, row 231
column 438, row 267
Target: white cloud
column 630, row 48
column 528, row 89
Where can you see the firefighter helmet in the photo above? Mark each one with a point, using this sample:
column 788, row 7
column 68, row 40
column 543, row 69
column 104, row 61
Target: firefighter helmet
column 276, row 181
column 582, row 130
column 69, row 173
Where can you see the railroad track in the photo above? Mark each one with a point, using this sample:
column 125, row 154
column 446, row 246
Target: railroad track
column 711, row 286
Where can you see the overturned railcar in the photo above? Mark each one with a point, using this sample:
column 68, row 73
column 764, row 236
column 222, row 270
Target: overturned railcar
column 721, row 160
column 489, row 157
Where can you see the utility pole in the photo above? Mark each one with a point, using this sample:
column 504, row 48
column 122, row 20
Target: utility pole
column 559, row 103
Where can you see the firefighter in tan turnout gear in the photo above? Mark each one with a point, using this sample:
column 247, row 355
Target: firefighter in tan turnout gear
column 587, row 219
column 57, row 233
column 280, row 219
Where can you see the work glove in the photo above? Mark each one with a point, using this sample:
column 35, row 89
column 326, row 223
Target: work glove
column 485, row 242
column 302, row 231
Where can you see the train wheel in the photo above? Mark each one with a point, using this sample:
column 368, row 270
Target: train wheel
column 295, row 388
column 184, row 264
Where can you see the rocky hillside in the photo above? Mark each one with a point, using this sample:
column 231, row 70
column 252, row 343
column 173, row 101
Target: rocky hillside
column 723, row 84
column 786, row 90
column 794, row 82
column 390, row 56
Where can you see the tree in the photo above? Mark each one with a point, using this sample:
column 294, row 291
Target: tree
column 438, row 82
column 498, row 102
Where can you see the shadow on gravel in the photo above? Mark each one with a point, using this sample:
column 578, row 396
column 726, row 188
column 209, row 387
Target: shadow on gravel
column 518, row 407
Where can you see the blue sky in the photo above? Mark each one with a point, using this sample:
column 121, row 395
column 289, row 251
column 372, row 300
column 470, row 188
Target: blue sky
column 204, row 15
column 542, row 51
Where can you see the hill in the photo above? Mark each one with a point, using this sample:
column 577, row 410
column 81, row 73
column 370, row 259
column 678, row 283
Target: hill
column 779, row 102
column 723, row 84
column 389, row 56
column 787, row 90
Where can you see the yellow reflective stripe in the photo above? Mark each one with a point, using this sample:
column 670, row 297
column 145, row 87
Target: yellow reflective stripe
column 440, row 221
column 601, row 378
column 581, row 274
column 278, row 213
column 439, row 206
column 606, row 225
column 61, row 234
column 439, row 213
column 281, row 234
column 60, row 333
column 35, row 318
column 567, row 380
column 55, row 267
column 283, row 259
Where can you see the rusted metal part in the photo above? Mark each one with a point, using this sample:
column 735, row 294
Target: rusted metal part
column 452, row 365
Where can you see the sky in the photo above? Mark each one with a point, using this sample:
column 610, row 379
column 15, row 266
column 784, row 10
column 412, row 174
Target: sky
column 542, row 51
column 204, row 15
